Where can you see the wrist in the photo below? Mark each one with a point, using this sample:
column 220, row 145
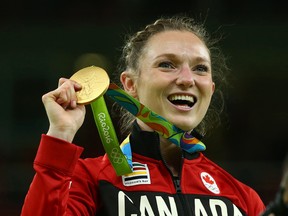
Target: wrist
column 68, row 136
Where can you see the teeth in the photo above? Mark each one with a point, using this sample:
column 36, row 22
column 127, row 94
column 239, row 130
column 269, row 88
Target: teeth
column 182, row 97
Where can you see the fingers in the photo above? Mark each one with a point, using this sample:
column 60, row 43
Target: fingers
column 65, row 94
column 62, row 80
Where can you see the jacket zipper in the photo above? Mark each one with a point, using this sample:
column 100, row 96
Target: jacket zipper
column 177, row 185
column 177, row 182
column 176, row 179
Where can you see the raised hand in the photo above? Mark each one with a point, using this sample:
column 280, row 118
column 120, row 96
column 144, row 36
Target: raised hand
column 64, row 114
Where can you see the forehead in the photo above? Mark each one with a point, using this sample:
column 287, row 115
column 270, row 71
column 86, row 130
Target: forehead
column 175, row 41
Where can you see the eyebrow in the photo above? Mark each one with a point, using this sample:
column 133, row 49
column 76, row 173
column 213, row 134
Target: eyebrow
column 172, row 55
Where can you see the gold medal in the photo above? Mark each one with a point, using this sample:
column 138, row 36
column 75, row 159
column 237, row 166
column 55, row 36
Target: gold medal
column 94, row 81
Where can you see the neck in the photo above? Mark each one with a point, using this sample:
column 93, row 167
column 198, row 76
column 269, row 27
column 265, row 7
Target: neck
column 172, row 155
column 144, row 126
column 170, row 152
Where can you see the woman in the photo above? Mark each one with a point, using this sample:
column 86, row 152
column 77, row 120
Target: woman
column 168, row 68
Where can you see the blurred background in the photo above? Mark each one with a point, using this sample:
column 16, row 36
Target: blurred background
column 41, row 41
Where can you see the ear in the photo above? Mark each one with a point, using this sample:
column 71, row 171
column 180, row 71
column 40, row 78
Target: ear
column 213, row 87
column 128, row 83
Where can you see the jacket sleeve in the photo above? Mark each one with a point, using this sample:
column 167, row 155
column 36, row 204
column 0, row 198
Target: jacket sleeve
column 256, row 204
column 49, row 193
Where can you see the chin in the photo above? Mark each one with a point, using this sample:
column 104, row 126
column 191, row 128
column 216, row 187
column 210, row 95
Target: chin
column 184, row 123
column 185, row 127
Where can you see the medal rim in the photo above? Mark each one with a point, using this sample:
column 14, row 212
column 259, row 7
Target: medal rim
column 97, row 78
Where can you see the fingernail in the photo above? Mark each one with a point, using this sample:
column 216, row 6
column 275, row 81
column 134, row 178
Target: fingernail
column 78, row 85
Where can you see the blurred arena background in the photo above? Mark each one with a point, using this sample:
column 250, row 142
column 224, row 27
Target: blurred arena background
column 41, row 41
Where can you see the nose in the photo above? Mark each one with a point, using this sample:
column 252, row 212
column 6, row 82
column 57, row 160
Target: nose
column 186, row 77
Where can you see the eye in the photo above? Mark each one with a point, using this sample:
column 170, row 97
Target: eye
column 166, row 64
column 201, row 68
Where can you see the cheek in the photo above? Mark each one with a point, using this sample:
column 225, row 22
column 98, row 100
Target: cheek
column 207, row 87
column 149, row 94
column 142, row 91
column 207, row 92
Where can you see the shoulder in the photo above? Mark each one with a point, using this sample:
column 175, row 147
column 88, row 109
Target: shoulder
column 244, row 195
column 91, row 166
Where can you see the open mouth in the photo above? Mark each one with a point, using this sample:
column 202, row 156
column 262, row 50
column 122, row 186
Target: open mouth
column 182, row 100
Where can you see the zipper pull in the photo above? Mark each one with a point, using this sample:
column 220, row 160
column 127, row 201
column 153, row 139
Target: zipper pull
column 177, row 184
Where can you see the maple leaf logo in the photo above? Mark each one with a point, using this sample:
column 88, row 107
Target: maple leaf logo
column 209, row 182
column 208, row 179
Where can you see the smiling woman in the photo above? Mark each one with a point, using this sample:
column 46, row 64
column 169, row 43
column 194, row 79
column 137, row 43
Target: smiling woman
column 173, row 69
column 209, row 54
column 181, row 75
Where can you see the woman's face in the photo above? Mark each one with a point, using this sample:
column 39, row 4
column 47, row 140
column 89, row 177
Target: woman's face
column 175, row 78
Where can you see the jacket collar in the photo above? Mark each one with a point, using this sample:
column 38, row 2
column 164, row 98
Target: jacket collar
column 147, row 143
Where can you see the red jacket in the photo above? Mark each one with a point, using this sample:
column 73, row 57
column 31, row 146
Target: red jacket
column 64, row 184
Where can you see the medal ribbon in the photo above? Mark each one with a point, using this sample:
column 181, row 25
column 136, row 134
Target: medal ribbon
column 109, row 138
column 187, row 141
column 121, row 156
